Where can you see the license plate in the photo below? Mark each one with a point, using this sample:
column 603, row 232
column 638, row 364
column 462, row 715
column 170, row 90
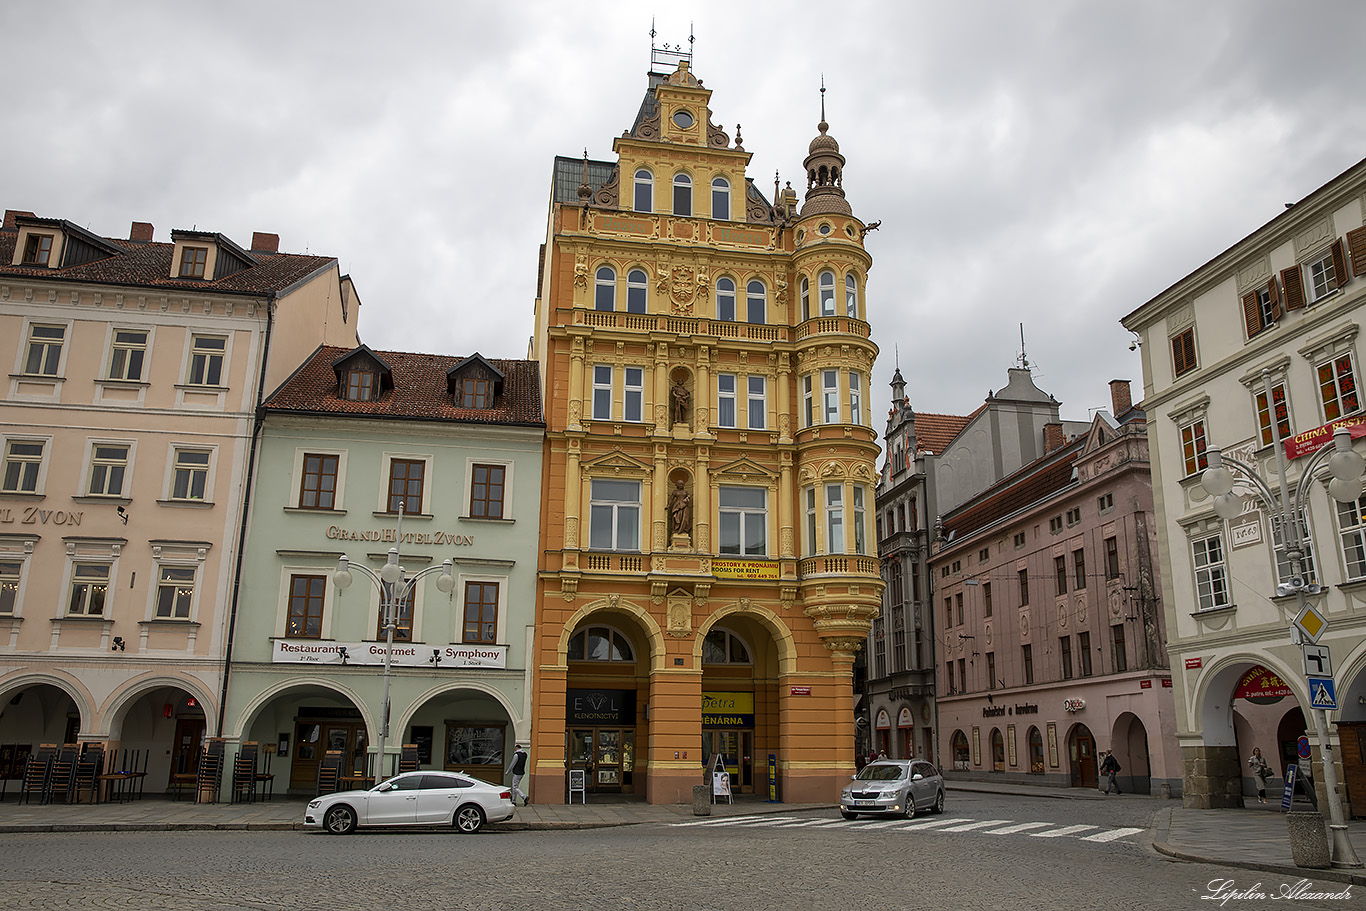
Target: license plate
column 865, row 803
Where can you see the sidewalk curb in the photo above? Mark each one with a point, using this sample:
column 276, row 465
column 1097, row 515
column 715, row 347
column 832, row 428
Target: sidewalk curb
column 1162, row 831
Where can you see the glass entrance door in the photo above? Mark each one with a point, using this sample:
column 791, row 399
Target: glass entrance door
column 607, row 757
column 737, row 748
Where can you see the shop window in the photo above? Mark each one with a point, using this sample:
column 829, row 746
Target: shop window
column 318, row 486
column 1035, row 751
column 600, row 643
column 306, row 607
column 725, row 647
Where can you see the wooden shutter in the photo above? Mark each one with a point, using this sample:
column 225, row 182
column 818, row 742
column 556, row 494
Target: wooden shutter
column 1274, row 291
column 1183, row 352
column 1252, row 314
column 1339, row 264
column 1294, row 288
column 1356, row 245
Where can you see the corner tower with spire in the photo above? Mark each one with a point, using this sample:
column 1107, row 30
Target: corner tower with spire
column 708, row 565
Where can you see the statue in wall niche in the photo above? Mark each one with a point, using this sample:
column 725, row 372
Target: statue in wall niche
column 680, row 510
column 681, row 399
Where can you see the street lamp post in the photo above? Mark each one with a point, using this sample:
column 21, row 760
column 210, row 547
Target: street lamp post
column 393, row 587
column 1289, row 516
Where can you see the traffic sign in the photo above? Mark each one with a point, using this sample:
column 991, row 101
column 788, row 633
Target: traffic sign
column 1310, row 622
column 1323, row 694
column 1302, row 745
column 1317, row 661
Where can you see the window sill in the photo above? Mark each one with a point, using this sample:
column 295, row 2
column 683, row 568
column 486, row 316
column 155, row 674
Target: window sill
column 315, row 510
column 23, row 494
column 82, row 618
column 1213, row 612
column 487, row 519
column 198, row 387
column 169, row 621
column 123, row 384
column 37, row 377
column 1352, row 585
column 379, row 514
column 192, row 504
column 103, row 498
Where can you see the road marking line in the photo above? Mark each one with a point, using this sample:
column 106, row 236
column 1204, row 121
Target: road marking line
column 841, row 823
column 1112, row 834
column 931, row 823
column 772, row 821
column 717, row 822
column 968, row 827
column 1059, row 833
column 884, row 824
column 806, row 822
column 1019, row 827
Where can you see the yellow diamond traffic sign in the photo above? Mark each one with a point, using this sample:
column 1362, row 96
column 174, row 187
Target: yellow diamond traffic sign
column 1311, row 623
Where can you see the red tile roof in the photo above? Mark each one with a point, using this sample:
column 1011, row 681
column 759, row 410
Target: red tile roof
column 148, row 265
column 934, row 432
column 419, row 390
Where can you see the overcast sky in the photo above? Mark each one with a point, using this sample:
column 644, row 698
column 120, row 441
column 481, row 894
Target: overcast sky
column 1046, row 163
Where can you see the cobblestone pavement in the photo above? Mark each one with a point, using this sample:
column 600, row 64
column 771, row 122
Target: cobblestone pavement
column 654, row 865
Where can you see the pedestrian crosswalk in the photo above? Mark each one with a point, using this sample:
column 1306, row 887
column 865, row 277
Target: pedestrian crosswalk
column 929, row 824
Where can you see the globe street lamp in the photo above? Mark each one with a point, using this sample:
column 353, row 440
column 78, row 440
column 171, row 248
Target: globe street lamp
column 1289, row 517
column 394, row 588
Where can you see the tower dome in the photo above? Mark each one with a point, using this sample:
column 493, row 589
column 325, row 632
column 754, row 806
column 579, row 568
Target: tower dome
column 824, row 173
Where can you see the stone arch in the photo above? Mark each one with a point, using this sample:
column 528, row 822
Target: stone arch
column 263, row 698
column 782, row 636
column 1213, row 703
column 1352, row 695
column 480, row 687
column 653, row 634
column 56, row 678
column 128, row 692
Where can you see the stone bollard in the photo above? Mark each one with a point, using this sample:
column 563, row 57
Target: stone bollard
column 1166, row 790
column 1308, row 840
column 701, row 800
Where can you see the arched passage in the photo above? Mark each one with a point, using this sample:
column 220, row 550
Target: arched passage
column 38, row 709
column 1129, row 744
column 461, row 727
column 158, row 725
column 609, row 656
column 297, row 722
column 1351, row 727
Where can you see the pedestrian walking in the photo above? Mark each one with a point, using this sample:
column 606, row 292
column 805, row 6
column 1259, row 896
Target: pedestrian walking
column 1109, row 767
column 1261, row 771
column 518, row 770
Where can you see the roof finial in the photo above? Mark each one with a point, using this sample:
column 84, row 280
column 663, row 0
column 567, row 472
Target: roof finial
column 896, row 356
column 822, row 98
column 652, row 31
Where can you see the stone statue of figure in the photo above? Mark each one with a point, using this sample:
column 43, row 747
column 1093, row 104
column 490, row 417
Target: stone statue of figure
column 680, row 510
column 681, row 399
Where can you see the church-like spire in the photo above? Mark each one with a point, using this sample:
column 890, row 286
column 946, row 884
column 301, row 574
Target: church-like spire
column 824, row 172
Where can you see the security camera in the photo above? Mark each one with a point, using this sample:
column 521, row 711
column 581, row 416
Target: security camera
column 1133, row 346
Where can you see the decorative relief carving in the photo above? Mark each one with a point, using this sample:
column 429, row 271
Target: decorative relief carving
column 649, row 128
column 580, row 271
column 1180, row 318
column 1314, row 236
column 571, row 531
column 609, row 194
column 716, row 137
column 1254, row 273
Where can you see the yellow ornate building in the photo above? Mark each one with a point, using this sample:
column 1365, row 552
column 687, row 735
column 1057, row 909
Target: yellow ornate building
column 708, row 567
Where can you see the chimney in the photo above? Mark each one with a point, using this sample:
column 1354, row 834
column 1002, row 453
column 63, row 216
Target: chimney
column 11, row 215
column 141, row 232
column 1120, row 399
column 265, row 243
column 1053, row 437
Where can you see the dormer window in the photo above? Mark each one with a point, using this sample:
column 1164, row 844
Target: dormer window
column 192, row 261
column 360, row 385
column 474, row 383
column 475, row 393
column 38, row 250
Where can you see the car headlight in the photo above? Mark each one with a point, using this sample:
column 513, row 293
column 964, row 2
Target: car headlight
column 314, row 804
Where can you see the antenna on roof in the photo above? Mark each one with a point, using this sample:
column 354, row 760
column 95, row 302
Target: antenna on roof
column 1024, row 358
column 896, row 356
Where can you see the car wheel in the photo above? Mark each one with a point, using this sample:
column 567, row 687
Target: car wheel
column 340, row 820
column 939, row 802
column 909, row 812
column 469, row 819
column 847, row 815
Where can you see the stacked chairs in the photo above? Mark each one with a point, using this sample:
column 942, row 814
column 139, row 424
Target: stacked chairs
column 244, row 772
column 210, row 777
column 329, row 770
column 265, row 779
column 183, row 777
column 89, row 768
column 38, row 774
column 407, row 760
column 62, row 780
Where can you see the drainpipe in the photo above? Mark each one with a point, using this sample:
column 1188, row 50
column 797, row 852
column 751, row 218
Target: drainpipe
column 258, row 420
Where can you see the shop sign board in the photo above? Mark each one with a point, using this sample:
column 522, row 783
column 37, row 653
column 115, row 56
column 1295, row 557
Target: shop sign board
column 1302, row 444
column 744, row 569
column 1194, row 664
column 405, row 654
column 600, row 707
column 727, row 710
column 1261, row 686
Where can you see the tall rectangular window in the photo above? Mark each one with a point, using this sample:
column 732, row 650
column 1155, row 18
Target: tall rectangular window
column 486, row 491
column 1193, row 454
column 962, row 675
column 810, row 520
column 898, row 638
column 725, row 400
column 948, row 673
column 808, row 402
column 958, row 605
column 206, row 360
column 108, row 464
column 1027, row 661
column 1282, row 411
column 1084, row 652
column 9, row 585
column 744, row 520
column 602, row 393
column 986, row 599
column 23, row 461
column 1352, row 533
column 1284, row 570
column 305, row 607
column 860, row 520
column 127, row 354
column 855, row 398
column 948, row 611
column 1112, row 558
column 175, row 592
column 481, row 611
column 614, row 515
column 1183, row 352
column 1211, row 581
column 405, row 485
column 190, row 478
column 830, row 396
column 1079, row 569
column 1338, row 388
column 1023, row 576
column 1322, row 276
column 834, row 518
column 633, row 400
column 318, row 486
column 1065, row 656
column 402, row 608
column 758, row 403
column 991, row 670
column 919, row 649
column 1060, row 573
column 1121, row 655
column 44, row 350
column 89, row 589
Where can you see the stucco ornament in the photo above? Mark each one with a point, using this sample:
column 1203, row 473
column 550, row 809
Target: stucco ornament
column 682, row 290
column 581, row 271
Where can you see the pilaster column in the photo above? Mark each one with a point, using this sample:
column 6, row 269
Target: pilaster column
column 786, row 496
column 663, row 416
column 784, row 398
column 701, row 393
column 659, row 502
column 576, row 372
column 573, row 495
column 701, row 513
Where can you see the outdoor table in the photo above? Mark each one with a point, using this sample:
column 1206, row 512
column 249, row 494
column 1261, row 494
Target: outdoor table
column 112, row 779
column 354, row 782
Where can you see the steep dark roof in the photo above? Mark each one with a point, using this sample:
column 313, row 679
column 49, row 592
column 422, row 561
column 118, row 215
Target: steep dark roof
column 1036, row 481
column 148, row 265
column 419, row 390
column 569, row 176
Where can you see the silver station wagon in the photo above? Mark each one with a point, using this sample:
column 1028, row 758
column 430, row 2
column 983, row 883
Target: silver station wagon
column 893, row 787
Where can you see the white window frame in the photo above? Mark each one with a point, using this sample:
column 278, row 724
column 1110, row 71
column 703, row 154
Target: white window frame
column 725, row 299
column 1336, row 380
column 1211, row 572
column 856, row 398
column 44, row 346
column 860, row 520
column 720, row 192
column 682, row 183
column 12, row 584
column 806, row 298
column 1352, row 538
column 637, row 288
column 643, row 179
column 830, row 396
column 1266, row 434
column 812, row 525
column 633, row 394
column 39, row 473
column 850, row 295
column 1320, row 278
column 164, row 567
column 1308, row 565
column 834, row 518
column 74, row 579
column 602, row 392
column 173, row 469
column 744, row 515
column 194, row 376
column 808, row 401
column 825, row 285
column 616, row 509
column 1199, row 442
column 94, row 462
column 726, row 413
column 129, row 350
column 756, row 302
column 605, row 288
column 756, row 400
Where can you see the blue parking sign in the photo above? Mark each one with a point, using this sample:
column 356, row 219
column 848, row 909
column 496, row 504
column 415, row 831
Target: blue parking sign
column 1323, row 694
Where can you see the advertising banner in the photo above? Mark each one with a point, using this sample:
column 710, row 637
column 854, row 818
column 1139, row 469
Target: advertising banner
column 1302, row 444
column 744, row 569
column 727, row 710
column 406, row 654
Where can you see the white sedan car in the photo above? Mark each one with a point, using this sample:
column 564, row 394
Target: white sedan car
column 413, row 799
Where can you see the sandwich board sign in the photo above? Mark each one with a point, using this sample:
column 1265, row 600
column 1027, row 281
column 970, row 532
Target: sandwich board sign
column 720, row 780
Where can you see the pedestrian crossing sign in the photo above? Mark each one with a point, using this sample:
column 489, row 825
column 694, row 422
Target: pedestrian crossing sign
column 1323, row 694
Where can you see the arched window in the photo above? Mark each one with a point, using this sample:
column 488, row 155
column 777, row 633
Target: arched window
column 850, row 295
column 682, row 194
column 605, row 290
column 724, row 647
column 599, row 643
column 962, row 757
column 998, row 751
column 637, row 291
column 806, row 298
column 1035, row 751
column 826, row 283
column 645, row 191
column 720, row 198
column 756, row 302
column 725, row 299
